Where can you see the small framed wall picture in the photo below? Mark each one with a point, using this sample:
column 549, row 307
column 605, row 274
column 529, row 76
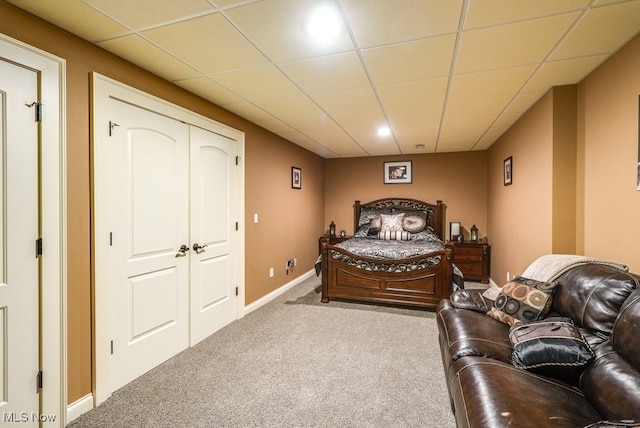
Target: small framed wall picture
column 296, row 177
column 508, row 171
column 397, row 172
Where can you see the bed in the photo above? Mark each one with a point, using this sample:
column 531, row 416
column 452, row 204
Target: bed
column 397, row 256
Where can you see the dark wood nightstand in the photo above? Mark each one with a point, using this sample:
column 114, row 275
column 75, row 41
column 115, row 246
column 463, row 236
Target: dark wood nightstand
column 474, row 260
column 331, row 240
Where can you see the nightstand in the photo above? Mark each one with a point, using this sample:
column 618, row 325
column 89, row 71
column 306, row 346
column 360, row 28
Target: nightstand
column 331, row 240
column 474, row 260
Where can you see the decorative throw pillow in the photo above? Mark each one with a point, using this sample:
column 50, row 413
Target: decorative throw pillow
column 391, row 221
column 394, row 235
column 523, row 300
column 414, row 223
column 553, row 347
column 374, row 226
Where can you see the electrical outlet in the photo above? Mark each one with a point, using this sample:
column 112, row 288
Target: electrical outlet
column 295, row 261
column 508, row 277
column 271, row 272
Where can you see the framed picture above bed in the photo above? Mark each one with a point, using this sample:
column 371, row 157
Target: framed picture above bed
column 397, row 172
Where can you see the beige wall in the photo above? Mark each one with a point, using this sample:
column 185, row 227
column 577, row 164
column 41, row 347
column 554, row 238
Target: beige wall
column 575, row 172
column 458, row 179
column 609, row 145
column 520, row 214
column 288, row 218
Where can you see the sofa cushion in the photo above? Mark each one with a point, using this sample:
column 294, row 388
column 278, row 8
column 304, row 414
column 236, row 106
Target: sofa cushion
column 490, row 393
column 523, row 300
column 553, row 347
column 625, row 337
column 470, row 333
column 592, row 295
column 611, row 383
column 470, row 299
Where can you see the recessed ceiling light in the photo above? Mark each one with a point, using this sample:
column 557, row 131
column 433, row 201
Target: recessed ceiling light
column 325, row 24
column 384, row 131
column 419, row 146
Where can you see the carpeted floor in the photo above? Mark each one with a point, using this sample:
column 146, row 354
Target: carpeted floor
column 295, row 362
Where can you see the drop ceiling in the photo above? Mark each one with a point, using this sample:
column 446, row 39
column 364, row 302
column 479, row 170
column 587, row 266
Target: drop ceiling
column 443, row 75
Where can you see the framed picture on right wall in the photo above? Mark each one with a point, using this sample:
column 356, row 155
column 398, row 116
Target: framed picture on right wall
column 507, row 171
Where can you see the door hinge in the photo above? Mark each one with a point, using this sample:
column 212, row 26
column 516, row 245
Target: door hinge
column 236, row 226
column 39, row 379
column 236, row 291
column 238, row 158
column 111, row 126
column 111, row 239
column 112, row 347
column 38, row 247
column 38, row 110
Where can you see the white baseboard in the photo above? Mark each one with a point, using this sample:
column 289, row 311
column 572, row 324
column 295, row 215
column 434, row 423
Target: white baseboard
column 79, row 407
column 277, row 292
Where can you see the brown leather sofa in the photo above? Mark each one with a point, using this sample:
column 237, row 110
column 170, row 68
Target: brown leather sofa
column 486, row 390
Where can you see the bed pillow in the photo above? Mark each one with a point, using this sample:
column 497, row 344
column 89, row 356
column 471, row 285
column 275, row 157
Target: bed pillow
column 414, row 223
column 394, row 235
column 523, row 300
column 374, row 226
column 391, row 222
column 553, row 347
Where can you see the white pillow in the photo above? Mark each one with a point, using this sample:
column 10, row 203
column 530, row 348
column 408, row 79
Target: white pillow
column 414, row 223
column 391, row 222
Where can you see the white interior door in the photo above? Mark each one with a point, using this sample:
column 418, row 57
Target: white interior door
column 19, row 224
column 213, row 231
column 150, row 207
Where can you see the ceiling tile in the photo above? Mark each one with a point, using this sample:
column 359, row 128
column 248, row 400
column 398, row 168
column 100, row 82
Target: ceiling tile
column 504, row 81
column 209, row 44
column 346, row 100
column 275, row 125
column 144, row 13
column 602, row 30
column 464, row 110
column 139, row 51
column 524, row 100
column 328, row 73
column 412, row 94
column 278, row 29
column 74, row 16
column 307, row 143
column 362, row 125
column 210, row 90
column 380, row 22
column 484, row 13
column 511, row 45
column 421, row 59
column 563, row 72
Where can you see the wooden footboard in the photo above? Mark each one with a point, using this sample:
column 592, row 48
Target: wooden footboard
column 391, row 283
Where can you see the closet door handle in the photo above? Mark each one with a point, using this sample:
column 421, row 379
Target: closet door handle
column 182, row 251
column 199, row 248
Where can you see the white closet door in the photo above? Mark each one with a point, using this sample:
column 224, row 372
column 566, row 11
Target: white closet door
column 150, row 220
column 19, row 216
column 213, row 231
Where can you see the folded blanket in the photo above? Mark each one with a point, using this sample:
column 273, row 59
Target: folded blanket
column 549, row 267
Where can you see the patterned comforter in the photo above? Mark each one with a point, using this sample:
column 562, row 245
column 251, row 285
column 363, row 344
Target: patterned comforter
column 390, row 250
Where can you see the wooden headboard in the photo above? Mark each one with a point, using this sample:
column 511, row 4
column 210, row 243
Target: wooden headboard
column 435, row 212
